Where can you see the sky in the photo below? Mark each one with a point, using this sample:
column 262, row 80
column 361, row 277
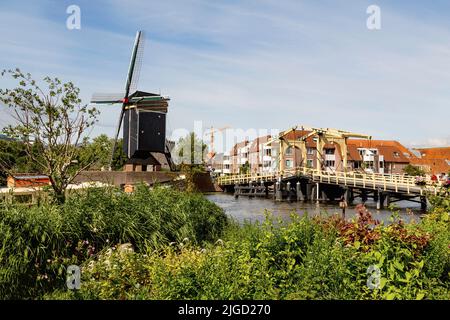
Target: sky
column 261, row 64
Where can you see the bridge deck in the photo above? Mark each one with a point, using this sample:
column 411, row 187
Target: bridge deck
column 375, row 181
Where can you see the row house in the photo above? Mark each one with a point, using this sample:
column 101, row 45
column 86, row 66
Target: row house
column 379, row 156
column 239, row 156
column 330, row 158
column 262, row 155
column 220, row 163
column 433, row 160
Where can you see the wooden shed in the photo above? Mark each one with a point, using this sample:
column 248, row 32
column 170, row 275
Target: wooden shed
column 27, row 180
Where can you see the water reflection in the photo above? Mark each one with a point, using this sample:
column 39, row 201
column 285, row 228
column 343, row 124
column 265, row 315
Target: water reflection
column 253, row 209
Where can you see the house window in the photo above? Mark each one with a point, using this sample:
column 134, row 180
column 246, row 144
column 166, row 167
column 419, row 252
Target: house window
column 369, row 164
column 289, row 151
column 329, row 151
column 309, row 163
column 289, row 163
column 329, row 163
column 310, row 151
column 396, row 154
column 267, row 152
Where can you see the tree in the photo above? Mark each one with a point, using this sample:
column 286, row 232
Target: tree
column 190, row 150
column 245, row 168
column 98, row 152
column 412, row 170
column 51, row 121
column 13, row 158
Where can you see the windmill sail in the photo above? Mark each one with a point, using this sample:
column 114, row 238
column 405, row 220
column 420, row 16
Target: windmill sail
column 107, row 98
column 135, row 63
column 134, row 66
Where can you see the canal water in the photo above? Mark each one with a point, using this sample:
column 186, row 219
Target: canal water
column 253, row 209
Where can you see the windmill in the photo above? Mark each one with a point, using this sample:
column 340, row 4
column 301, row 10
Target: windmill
column 143, row 115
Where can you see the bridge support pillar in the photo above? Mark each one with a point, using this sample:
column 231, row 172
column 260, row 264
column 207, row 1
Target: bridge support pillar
column 364, row 196
column 323, row 195
column 309, row 191
column 317, row 191
column 347, row 195
column 298, row 189
column 423, row 203
column 380, row 200
column 236, row 191
column 278, row 193
column 388, row 199
column 288, row 189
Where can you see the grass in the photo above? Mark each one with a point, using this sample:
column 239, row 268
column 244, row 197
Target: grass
column 306, row 258
column 37, row 243
column 184, row 247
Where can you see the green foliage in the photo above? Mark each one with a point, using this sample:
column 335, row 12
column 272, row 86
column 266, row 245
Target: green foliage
column 190, row 150
column 51, row 120
column 98, row 153
column 306, row 258
column 39, row 242
column 245, row 168
column 13, row 158
column 413, row 170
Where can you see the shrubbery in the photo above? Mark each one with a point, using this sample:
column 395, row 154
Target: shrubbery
column 183, row 247
column 306, row 258
column 39, row 242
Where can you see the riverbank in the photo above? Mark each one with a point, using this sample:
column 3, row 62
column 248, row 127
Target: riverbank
column 303, row 258
column 163, row 243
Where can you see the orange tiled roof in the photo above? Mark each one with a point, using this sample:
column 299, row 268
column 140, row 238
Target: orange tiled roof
column 436, row 159
column 393, row 151
column 435, row 153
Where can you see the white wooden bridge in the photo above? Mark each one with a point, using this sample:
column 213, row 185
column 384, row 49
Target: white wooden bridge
column 313, row 184
column 376, row 181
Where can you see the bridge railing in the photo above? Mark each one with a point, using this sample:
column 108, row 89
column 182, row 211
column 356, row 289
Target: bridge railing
column 246, row 178
column 393, row 182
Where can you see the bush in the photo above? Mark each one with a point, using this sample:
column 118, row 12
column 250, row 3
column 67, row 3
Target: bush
column 39, row 242
column 306, row 258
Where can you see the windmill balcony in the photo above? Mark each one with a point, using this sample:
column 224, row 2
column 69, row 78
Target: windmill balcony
column 330, row 157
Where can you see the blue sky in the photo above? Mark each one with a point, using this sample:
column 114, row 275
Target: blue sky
column 251, row 64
